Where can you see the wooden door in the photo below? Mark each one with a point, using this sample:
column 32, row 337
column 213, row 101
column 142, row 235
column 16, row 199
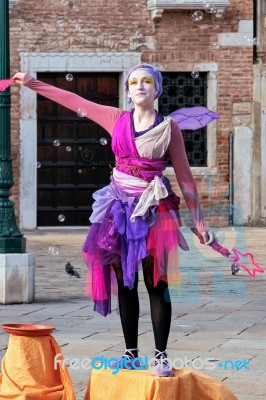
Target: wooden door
column 74, row 154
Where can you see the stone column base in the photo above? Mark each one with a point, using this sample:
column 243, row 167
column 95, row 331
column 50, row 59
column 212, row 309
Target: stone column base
column 17, row 278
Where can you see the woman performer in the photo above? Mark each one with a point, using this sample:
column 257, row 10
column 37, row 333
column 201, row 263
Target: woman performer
column 135, row 220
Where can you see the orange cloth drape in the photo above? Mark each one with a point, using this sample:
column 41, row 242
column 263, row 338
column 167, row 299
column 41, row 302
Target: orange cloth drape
column 139, row 385
column 29, row 373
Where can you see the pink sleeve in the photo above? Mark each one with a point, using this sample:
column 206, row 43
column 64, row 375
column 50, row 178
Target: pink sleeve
column 185, row 178
column 105, row 116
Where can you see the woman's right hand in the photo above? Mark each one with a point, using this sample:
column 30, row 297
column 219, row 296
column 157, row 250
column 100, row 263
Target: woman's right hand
column 22, row 77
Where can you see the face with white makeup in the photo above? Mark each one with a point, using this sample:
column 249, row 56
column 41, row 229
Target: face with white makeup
column 141, row 88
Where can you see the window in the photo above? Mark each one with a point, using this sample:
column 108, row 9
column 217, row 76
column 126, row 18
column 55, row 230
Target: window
column 180, row 89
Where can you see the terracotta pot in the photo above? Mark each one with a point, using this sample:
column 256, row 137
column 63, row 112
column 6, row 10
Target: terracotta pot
column 28, row 329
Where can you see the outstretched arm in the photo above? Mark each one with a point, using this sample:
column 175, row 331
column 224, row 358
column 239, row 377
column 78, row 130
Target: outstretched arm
column 186, row 181
column 105, row 116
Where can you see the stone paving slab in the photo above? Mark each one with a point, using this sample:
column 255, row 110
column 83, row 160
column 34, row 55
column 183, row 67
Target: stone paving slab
column 215, row 315
column 245, row 343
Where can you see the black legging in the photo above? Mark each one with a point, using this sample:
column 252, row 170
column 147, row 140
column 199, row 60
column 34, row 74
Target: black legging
column 160, row 305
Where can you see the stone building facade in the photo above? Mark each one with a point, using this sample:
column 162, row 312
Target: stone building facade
column 111, row 36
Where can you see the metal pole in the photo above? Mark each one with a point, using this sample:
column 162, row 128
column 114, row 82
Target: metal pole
column 231, row 178
column 11, row 240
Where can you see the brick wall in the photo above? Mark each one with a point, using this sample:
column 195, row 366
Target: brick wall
column 105, row 25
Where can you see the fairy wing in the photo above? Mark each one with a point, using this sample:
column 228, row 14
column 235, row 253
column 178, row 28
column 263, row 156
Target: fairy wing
column 193, row 118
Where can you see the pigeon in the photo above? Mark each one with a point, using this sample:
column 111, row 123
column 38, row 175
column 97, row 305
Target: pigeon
column 70, row 270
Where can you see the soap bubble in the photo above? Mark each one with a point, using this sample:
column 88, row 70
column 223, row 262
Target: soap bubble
column 103, row 141
column 61, row 218
column 209, row 9
column 60, row 22
column 54, row 250
column 77, row 27
column 195, row 74
column 237, row 121
column 197, row 16
column 249, row 40
column 38, row 164
column 64, row 2
column 160, row 67
column 56, row 142
column 255, row 41
column 138, row 34
column 68, row 148
column 69, row 77
column 81, row 112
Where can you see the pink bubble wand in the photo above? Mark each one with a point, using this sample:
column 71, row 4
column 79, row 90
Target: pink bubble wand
column 235, row 257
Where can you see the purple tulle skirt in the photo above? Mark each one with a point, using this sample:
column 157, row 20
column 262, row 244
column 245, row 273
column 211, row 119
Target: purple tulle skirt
column 117, row 239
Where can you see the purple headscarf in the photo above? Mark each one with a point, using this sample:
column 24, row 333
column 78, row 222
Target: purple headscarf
column 153, row 71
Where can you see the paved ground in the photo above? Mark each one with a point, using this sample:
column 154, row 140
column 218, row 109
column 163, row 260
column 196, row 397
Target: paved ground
column 215, row 315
